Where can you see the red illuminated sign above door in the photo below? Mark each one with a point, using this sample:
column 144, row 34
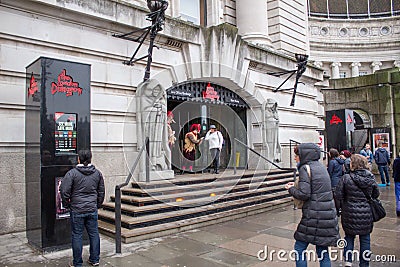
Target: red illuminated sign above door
column 210, row 93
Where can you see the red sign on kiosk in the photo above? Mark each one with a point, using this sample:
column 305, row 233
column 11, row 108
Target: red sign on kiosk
column 33, row 86
column 65, row 84
column 210, row 93
column 335, row 120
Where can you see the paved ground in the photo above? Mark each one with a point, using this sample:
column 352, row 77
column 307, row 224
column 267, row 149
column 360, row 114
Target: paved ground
column 234, row 243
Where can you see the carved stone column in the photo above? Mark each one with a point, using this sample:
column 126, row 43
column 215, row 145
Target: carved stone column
column 335, row 70
column 355, row 71
column 318, row 64
column 252, row 21
column 376, row 65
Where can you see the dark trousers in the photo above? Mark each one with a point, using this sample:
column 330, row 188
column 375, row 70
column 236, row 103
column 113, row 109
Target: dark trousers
column 215, row 156
column 78, row 223
column 383, row 169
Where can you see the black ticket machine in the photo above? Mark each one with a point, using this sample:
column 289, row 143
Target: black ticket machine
column 57, row 126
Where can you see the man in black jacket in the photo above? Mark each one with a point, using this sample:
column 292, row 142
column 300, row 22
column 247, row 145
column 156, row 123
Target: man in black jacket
column 82, row 191
column 382, row 159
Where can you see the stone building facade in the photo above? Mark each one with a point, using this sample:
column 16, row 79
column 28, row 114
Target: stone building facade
column 355, row 39
column 376, row 98
column 236, row 58
column 225, row 42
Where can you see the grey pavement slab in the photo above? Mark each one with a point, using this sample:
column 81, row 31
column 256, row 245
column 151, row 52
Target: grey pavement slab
column 192, row 261
column 230, row 258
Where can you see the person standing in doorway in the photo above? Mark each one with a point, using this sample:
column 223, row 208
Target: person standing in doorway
column 396, row 176
column 366, row 152
column 82, row 192
column 192, row 140
column 215, row 141
column 382, row 159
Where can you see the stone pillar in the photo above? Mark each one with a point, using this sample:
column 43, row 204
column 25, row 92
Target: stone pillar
column 376, row 65
column 318, row 64
column 252, row 21
column 355, row 71
column 396, row 64
column 335, row 70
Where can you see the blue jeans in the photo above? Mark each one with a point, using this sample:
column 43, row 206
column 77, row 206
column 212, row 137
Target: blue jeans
column 78, row 223
column 384, row 169
column 397, row 193
column 322, row 253
column 365, row 249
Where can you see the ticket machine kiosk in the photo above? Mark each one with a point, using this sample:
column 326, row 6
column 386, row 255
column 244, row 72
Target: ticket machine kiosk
column 57, row 126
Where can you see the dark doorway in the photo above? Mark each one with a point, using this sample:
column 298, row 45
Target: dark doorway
column 230, row 120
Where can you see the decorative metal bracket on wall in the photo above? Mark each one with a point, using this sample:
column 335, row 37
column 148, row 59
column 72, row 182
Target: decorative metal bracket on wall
column 301, row 68
column 157, row 18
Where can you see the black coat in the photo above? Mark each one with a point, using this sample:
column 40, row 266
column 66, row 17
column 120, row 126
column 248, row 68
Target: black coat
column 82, row 189
column 319, row 223
column 396, row 170
column 356, row 212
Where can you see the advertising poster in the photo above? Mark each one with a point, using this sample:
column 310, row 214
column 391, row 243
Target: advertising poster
column 65, row 133
column 61, row 212
column 383, row 138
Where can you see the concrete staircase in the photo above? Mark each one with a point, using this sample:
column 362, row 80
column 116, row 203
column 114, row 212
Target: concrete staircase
column 190, row 201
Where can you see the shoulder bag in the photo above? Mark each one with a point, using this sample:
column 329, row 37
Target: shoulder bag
column 297, row 202
column 377, row 210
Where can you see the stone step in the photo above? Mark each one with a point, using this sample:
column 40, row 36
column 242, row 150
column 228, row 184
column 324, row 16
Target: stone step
column 173, row 188
column 160, row 218
column 179, row 196
column 206, row 178
column 130, row 210
column 133, row 235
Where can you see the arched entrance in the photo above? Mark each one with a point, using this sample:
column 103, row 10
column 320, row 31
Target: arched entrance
column 207, row 103
column 362, row 126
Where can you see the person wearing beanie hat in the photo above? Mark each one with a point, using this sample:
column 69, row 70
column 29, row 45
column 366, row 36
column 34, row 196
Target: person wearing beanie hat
column 215, row 141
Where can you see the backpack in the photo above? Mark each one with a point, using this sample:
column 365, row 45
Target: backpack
column 381, row 156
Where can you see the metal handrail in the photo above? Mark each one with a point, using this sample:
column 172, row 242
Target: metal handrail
column 297, row 142
column 266, row 159
column 271, row 162
column 118, row 194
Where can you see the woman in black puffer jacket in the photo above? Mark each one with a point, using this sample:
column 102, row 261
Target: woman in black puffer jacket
column 319, row 223
column 356, row 212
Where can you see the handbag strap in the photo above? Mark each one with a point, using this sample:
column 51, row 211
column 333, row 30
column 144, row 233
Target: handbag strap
column 365, row 194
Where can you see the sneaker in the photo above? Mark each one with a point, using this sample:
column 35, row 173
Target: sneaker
column 381, row 184
column 93, row 263
column 388, row 184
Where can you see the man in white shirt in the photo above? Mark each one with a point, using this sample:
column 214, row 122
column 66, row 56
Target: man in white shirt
column 215, row 141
